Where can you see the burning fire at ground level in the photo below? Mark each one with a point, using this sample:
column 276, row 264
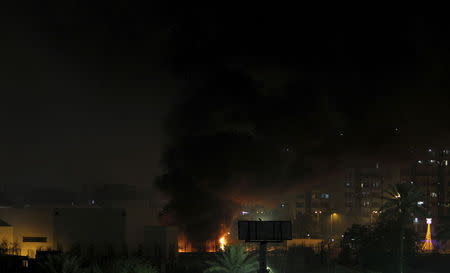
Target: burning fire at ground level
column 185, row 246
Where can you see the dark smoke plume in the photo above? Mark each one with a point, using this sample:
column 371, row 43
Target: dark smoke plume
column 256, row 128
column 230, row 142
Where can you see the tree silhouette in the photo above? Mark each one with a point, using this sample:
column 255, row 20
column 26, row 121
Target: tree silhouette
column 61, row 264
column 233, row 260
column 401, row 207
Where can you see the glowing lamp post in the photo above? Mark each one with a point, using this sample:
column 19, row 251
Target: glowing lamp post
column 331, row 222
column 428, row 244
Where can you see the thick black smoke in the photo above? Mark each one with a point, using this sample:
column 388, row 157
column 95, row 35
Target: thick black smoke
column 253, row 128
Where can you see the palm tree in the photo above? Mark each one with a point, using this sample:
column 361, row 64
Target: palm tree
column 61, row 264
column 401, row 207
column 233, row 260
column 130, row 265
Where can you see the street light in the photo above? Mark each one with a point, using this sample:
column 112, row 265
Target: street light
column 331, row 221
column 318, row 218
column 371, row 215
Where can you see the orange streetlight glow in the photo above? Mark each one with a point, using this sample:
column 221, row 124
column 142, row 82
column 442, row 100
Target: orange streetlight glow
column 428, row 244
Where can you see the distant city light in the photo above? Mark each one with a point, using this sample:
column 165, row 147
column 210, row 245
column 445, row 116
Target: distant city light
column 429, row 220
column 245, row 212
column 420, row 161
column 420, row 203
column 325, row 195
column 429, row 150
column 416, row 220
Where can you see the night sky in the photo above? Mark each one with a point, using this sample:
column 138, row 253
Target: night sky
column 218, row 100
column 84, row 92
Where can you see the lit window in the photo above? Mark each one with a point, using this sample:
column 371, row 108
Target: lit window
column 432, row 161
column 416, row 220
column 244, row 212
column 420, row 203
column 420, row 161
column 433, row 194
column 429, row 150
column 325, row 196
column 446, row 162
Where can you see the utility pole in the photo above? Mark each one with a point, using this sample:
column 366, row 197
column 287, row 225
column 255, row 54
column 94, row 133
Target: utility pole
column 262, row 257
column 264, row 232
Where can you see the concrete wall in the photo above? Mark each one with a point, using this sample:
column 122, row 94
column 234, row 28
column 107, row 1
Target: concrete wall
column 137, row 218
column 31, row 223
column 160, row 242
column 103, row 229
column 99, row 226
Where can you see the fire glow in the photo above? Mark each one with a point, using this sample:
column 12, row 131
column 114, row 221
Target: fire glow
column 223, row 242
column 185, row 246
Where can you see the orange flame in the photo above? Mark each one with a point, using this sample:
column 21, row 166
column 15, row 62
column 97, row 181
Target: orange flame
column 185, row 246
column 223, row 242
